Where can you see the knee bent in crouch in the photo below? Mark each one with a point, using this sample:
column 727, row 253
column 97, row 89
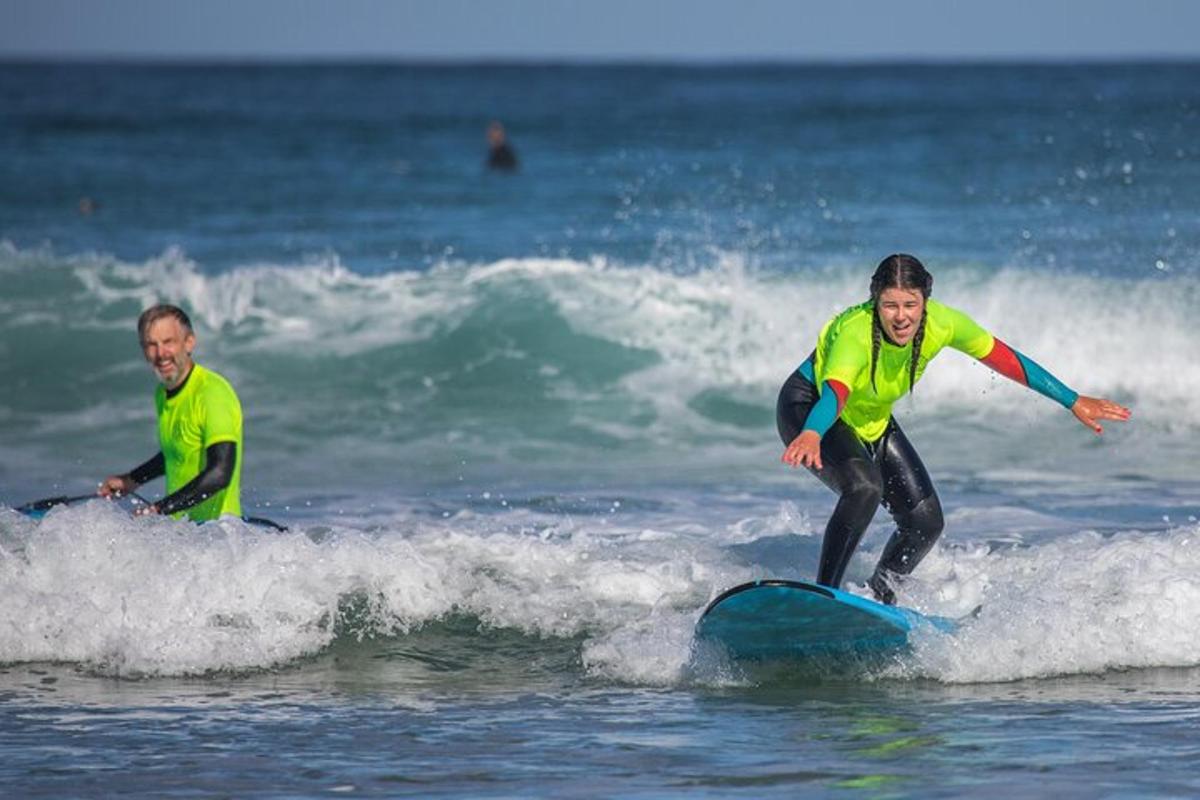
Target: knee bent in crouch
column 917, row 531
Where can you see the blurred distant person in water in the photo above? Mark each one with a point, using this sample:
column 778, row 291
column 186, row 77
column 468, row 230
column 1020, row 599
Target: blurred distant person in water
column 501, row 155
column 835, row 415
column 199, row 426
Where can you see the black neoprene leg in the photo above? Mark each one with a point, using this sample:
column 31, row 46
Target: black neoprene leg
column 909, row 496
column 848, row 468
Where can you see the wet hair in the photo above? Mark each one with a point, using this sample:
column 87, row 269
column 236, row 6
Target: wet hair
column 899, row 271
column 154, row 313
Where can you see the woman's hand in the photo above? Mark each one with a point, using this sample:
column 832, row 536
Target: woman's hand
column 804, row 451
column 1089, row 410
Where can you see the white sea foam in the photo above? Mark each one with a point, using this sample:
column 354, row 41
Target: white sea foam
column 90, row 584
column 122, row 596
column 1078, row 604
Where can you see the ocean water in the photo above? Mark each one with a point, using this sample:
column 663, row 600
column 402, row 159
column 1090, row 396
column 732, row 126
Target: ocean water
column 521, row 427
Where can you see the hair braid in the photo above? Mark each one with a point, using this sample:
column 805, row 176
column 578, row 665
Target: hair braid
column 876, row 341
column 916, row 354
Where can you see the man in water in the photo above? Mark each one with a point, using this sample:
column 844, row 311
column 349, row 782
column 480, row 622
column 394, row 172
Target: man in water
column 199, row 426
column 500, row 153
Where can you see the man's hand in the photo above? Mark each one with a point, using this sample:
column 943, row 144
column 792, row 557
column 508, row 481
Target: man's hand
column 116, row 486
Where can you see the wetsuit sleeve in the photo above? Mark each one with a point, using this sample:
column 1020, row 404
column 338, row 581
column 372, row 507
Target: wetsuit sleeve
column 828, row 407
column 151, row 469
column 832, row 400
column 1012, row 364
column 220, row 460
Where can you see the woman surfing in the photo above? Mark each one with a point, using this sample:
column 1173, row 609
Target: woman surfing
column 835, row 415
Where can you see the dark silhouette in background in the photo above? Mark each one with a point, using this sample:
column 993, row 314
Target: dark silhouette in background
column 501, row 156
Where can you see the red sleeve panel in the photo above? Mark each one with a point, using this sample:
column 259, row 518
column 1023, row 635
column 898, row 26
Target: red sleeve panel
column 1004, row 360
column 1027, row 372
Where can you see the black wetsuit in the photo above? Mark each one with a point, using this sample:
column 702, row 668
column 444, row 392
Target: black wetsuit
column 864, row 475
column 502, row 157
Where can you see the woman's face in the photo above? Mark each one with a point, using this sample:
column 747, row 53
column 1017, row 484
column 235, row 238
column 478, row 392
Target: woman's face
column 900, row 313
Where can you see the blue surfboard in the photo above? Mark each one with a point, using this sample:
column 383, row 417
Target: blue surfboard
column 772, row 620
column 39, row 508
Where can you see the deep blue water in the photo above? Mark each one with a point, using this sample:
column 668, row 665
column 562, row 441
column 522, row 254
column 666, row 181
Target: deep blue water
column 521, row 426
column 1083, row 167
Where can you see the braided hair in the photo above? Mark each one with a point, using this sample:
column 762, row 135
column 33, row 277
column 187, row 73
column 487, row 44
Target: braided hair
column 898, row 271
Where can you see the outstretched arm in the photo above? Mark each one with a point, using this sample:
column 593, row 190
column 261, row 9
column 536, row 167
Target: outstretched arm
column 118, row 485
column 1027, row 372
column 805, row 449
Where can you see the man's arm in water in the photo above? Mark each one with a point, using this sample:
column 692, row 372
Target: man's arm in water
column 118, row 485
column 220, row 460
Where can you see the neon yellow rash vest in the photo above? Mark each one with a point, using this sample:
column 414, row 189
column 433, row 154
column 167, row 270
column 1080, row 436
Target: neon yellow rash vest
column 205, row 412
column 844, row 354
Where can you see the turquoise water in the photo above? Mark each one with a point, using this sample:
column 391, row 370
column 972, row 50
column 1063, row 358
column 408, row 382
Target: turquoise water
column 522, row 429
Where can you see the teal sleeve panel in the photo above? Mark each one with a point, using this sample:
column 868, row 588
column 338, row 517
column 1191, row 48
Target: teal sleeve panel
column 825, row 412
column 1046, row 384
column 833, row 397
column 806, row 369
